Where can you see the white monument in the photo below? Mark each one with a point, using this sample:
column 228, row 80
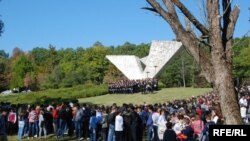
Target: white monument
column 159, row 55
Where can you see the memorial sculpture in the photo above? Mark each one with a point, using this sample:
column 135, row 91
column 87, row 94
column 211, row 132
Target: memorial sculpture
column 160, row 54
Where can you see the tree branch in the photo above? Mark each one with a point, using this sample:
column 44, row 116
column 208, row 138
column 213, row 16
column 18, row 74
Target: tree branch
column 232, row 22
column 226, row 20
column 189, row 15
column 170, row 7
column 230, row 31
column 188, row 39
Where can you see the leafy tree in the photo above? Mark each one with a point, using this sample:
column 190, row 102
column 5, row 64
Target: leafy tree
column 20, row 68
column 242, row 63
column 40, row 55
column 3, row 75
column 3, row 54
column 55, row 78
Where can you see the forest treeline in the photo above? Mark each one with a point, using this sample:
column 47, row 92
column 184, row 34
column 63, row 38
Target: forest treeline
column 46, row 67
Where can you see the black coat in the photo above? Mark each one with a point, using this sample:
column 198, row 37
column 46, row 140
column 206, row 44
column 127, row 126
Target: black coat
column 169, row 135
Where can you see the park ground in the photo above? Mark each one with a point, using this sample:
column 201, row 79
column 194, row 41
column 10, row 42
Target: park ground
column 163, row 95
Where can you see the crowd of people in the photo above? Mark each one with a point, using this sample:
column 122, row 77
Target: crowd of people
column 126, row 86
column 178, row 120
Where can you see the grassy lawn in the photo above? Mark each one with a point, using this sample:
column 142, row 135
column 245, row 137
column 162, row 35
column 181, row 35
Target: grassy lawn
column 163, row 95
column 55, row 95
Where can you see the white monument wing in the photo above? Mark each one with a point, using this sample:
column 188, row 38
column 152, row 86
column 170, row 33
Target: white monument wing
column 129, row 65
column 159, row 55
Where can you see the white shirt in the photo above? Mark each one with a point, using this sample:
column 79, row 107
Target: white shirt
column 215, row 119
column 118, row 123
column 178, row 127
column 243, row 102
column 155, row 118
column 243, row 112
column 161, row 120
column 41, row 119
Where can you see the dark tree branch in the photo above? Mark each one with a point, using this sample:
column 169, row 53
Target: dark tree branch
column 226, row 20
column 150, row 9
column 190, row 16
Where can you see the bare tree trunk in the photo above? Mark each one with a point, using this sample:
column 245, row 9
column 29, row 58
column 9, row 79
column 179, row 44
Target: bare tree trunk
column 216, row 66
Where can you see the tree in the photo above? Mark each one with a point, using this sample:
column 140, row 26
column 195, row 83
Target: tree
column 20, row 68
column 216, row 65
column 3, row 76
column 241, row 60
column 3, row 54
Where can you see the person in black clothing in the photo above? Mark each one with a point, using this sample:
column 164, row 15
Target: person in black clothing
column 3, row 134
column 135, row 125
column 169, row 134
column 126, row 123
column 188, row 130
column 62, row 121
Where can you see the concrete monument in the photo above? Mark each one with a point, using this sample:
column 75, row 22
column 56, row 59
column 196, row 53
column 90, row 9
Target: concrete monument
column 159, row 56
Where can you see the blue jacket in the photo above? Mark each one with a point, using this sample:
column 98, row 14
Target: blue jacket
column 150, row 120
column 92, row 122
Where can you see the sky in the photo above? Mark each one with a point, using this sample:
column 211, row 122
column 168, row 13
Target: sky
column 81, row 23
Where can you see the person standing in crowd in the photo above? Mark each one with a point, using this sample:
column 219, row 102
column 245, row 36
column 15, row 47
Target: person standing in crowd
column 62, row 116
column 243, row 108
column 78, row 122
column 55, row 119
column 105, row 124
column 21, row 124
column 179, row 124
column 119, row 126
column 3, row 133
column 12, row 118
column 99, row 123
column 149, row 124
column 38, row 108
column 111, row 121
column 135, row 125
column 155, row 117
column 198, row 126
column 144, row 117
column 161, row 124
column 93, row 126
column 205, row 135
column 169, row 134
column 126, row 122
column 32, row 119
column 188, row 131
column 42, row 124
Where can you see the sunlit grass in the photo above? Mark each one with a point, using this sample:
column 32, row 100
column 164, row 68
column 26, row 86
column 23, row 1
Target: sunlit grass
column 163, row 95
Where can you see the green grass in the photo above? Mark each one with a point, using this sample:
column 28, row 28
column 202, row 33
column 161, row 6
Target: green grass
column 163, row 95
column 55, row 95
column 96, row 95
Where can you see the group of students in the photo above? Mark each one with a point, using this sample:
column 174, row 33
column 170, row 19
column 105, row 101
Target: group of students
column 179, row 120
column 126, row 86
